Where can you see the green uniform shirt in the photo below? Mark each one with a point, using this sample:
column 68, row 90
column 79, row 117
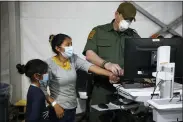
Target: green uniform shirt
column 108, row 43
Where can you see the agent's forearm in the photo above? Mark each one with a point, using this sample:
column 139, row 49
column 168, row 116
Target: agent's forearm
column 99, row 71
column 94, row 58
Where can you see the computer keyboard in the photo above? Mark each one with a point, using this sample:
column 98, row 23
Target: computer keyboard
column 123, row 102
column 128, row 85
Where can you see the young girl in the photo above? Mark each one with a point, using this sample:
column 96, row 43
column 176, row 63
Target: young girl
column 36, row 110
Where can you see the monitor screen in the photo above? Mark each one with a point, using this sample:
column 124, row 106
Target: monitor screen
column 140, row 56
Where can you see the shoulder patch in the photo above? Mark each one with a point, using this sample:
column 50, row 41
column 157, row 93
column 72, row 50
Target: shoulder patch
column 92, row 33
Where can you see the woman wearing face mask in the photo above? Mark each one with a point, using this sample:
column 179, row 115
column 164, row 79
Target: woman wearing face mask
column 36, row 110
column 62, row 78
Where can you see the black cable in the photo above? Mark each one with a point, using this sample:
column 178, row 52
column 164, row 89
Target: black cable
column 155, row 86
column 175, row 94
column 172, row 98
column 155, row 89
column 153, row 93
column 181, row 99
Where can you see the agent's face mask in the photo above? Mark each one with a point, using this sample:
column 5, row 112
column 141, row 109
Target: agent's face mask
column 124, row 24
column 68, row 52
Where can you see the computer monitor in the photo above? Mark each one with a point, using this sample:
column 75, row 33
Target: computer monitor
column 140, row 56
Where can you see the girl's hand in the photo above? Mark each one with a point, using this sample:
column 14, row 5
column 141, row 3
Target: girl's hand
column 113, row 78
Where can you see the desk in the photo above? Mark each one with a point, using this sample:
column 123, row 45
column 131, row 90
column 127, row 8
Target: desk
column 142, row 94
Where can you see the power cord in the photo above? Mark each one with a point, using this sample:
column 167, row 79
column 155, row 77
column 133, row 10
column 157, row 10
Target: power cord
column 155, row 89
column 155, row 86
column 180, row 99
column 174, row 95
column 153, row 93
column 179, row 93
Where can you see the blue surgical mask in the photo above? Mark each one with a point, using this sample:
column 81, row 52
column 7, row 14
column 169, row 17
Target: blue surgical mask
column 45, row 79
column 68, row 52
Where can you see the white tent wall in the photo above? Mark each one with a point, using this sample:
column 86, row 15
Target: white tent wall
column 10, row 48
column 40, row 19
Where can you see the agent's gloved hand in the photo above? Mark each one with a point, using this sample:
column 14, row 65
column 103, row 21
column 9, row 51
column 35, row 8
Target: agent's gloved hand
column 113, row 78
column 114, row 68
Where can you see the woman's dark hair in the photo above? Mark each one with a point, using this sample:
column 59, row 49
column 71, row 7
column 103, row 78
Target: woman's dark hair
column 32, row 67
column 57, row 40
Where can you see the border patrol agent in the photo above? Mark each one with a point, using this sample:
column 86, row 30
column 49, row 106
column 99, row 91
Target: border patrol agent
column 105, row 48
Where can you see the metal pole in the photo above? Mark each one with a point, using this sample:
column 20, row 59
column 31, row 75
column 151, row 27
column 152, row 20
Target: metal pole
column 173, row 24
column 154, row 19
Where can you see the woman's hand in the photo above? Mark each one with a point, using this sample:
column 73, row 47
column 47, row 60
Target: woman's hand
column 113, row 78
column 97, row 70
column 59, row 111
